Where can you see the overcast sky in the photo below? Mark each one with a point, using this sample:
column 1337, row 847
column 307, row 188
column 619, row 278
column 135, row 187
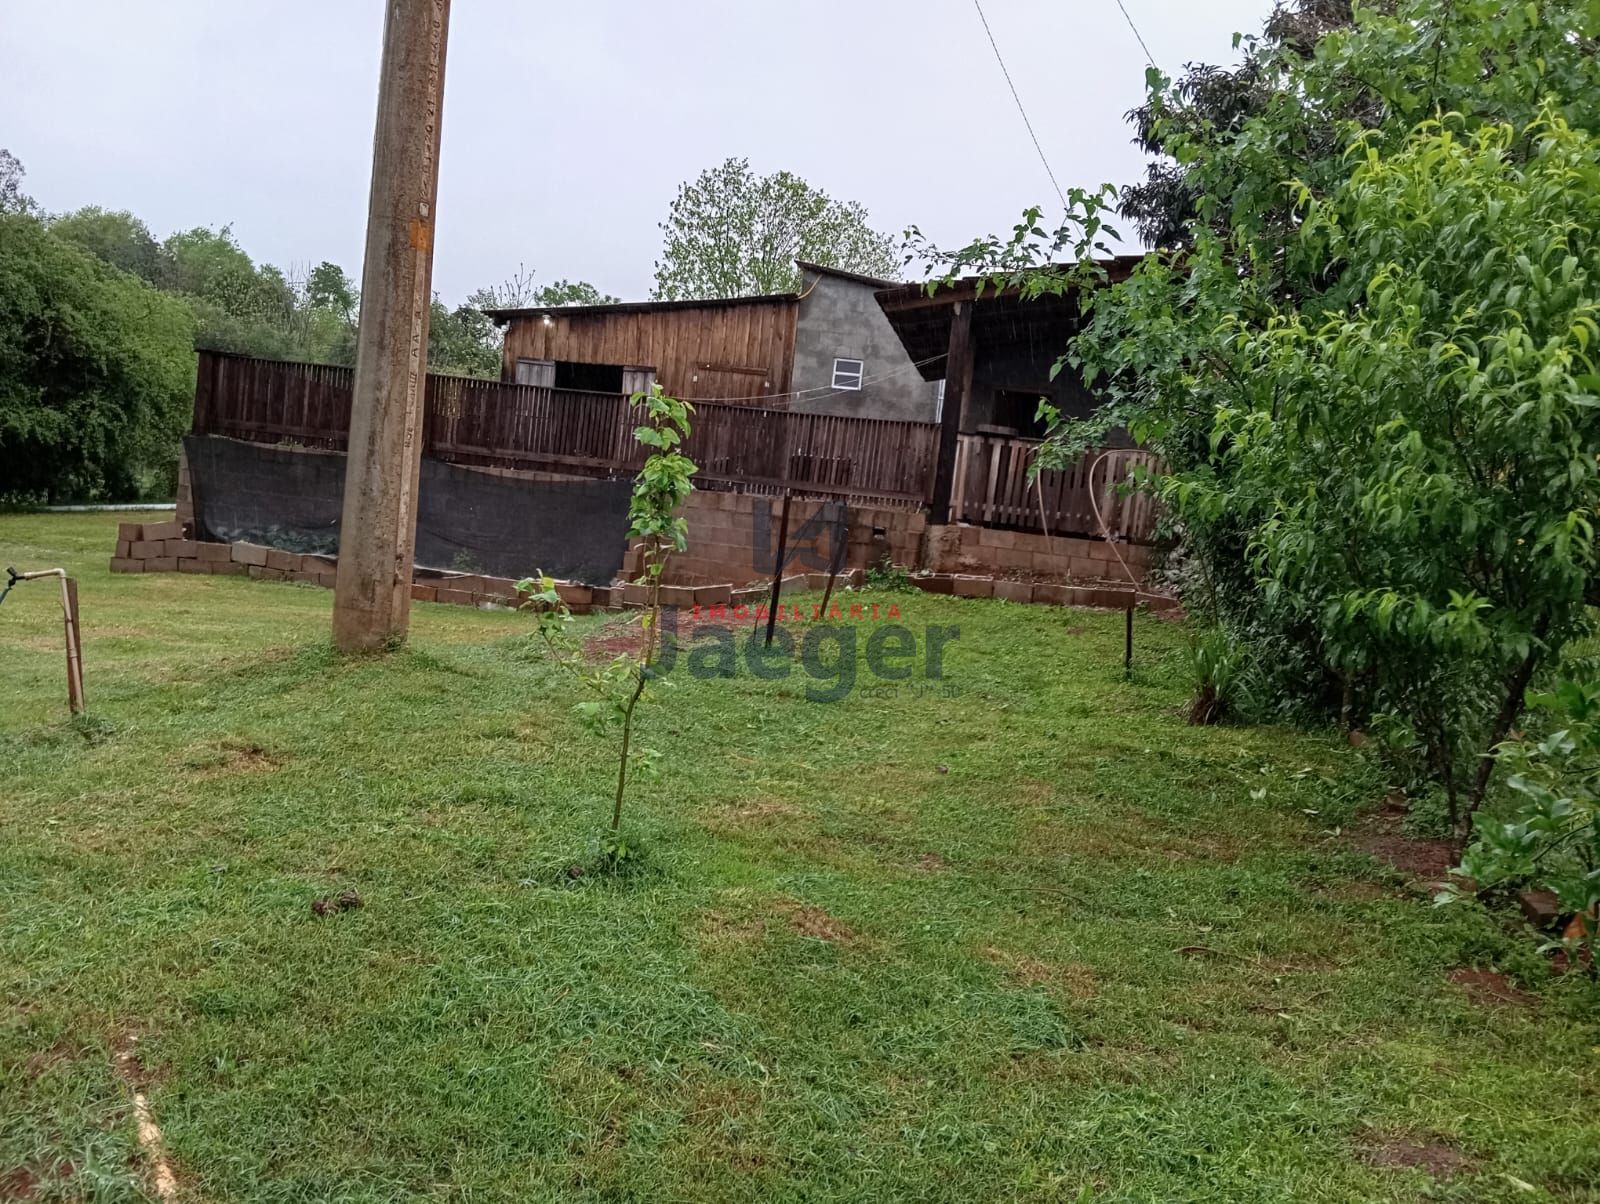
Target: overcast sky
column 568, row 127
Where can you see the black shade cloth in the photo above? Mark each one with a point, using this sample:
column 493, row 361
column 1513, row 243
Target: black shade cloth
column 467, row 520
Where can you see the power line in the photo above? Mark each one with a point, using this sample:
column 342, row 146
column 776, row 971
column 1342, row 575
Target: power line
column 1018, row 99
column 1148, row 57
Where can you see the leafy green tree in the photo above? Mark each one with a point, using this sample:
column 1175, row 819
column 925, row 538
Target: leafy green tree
column 12, row 198
column 115, row 236
column 571, row 292
column 329, row 288
column 237, row 307
column 463, row 341
column 732, row 233
column 1415, row 471
column 96, row 373
column 1370, row 369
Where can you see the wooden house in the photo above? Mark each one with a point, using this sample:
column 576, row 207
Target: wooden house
column 825, row 349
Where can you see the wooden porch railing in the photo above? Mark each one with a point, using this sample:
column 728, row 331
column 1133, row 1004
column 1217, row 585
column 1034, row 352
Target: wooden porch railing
column 495, row 424
column 992, row 489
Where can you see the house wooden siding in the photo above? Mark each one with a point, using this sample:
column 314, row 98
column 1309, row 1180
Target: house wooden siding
column 736, row 351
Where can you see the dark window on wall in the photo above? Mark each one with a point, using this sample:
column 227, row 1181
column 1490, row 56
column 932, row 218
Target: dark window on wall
column 589, row 378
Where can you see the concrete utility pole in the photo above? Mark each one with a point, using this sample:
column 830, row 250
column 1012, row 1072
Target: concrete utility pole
column 378, row 531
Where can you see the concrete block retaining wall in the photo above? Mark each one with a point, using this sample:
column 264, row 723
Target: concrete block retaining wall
column 727, row 561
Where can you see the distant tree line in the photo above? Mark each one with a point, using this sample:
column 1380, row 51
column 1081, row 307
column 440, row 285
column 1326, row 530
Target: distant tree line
column 100, row 321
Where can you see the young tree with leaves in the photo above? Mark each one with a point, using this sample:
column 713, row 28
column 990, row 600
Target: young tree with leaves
column 732, row 233
column 659, row 491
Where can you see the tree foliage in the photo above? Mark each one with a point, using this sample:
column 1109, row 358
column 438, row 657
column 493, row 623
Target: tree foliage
column 1551, row 839
column 12, row 199
column 96, row 372
column 77, row 362
column 732, row 233
column 1370, row 364
column 1371, row 369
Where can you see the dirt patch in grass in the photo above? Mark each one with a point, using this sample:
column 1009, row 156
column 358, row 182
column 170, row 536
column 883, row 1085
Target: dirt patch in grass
column 1380, row 835
column 1429, row 1154
column 931, row 863
column 805, row 919
column 625, row 636
column 232, row 757
column 1076, row 980
column 20, row 1184
column 39, row 1064
column 1491, row 988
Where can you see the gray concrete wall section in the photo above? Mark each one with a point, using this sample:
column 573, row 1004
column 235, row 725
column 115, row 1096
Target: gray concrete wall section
column 840, row 319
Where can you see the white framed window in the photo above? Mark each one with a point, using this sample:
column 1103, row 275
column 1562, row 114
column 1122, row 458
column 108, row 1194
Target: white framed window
column 847, row 374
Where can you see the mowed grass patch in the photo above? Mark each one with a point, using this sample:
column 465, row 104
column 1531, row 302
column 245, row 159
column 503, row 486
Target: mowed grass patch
column 1030, row 936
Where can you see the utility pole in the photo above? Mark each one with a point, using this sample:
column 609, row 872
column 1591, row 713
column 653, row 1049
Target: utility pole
column 378, row 530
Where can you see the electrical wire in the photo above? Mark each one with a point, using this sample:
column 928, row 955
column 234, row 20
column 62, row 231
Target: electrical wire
column 1148, row 57
column 1001, row 60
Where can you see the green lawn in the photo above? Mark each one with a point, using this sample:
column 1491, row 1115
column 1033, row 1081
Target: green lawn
column 1039, row 940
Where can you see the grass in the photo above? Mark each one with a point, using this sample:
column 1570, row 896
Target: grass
column 1038, row 940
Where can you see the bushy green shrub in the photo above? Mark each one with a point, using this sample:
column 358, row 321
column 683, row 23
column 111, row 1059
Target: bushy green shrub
column 96, row 373
column 1548, row 837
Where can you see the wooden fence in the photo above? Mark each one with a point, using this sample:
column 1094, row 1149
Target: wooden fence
column 992, row 489
column 491, row 423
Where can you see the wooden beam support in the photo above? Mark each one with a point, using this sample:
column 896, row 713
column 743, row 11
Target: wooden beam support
column 957, row 381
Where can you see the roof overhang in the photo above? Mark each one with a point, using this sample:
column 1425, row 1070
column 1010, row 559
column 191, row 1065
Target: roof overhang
column 823, row 269
column 1001, row 317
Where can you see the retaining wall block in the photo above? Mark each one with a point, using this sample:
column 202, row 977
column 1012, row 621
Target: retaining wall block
column 1013, row 591
column 1050, row 594
column 974, row 587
